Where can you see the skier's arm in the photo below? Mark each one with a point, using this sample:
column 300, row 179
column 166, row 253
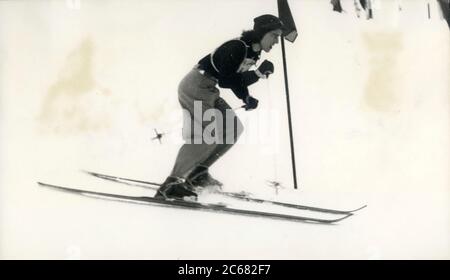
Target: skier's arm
column 244, row 79
column 240, row 91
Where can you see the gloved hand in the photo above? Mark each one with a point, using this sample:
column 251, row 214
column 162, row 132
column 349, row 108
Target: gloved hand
column 250, row 103
column 265, row 69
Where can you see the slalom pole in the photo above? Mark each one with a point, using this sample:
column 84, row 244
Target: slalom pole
column 291, row 137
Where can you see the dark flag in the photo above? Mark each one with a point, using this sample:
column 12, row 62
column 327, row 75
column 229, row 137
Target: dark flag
column 285, row 15
column 337, row 6
column 445, row 7
column 363, row 3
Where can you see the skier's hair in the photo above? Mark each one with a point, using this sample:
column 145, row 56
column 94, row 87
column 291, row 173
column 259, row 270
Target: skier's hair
column 250, row 36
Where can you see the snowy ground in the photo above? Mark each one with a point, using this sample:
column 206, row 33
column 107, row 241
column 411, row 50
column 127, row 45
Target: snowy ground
column 84, row 89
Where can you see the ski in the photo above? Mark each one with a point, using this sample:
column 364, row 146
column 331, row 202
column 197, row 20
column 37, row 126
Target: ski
column 241, row 196
column 192, row 205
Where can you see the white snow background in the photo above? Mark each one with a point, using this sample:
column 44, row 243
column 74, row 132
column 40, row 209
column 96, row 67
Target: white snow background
column 84, row 83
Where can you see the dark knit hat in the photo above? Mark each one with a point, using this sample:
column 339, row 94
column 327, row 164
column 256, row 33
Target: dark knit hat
column 266, row 23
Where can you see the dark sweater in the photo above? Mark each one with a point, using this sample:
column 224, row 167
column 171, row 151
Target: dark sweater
column 229, row 63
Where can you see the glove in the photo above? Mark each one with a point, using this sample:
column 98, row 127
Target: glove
column 265, row 69
column 250, row 103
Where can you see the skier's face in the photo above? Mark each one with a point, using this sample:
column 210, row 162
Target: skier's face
column 270, row 39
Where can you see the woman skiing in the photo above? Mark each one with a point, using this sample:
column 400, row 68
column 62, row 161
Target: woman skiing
column 227, row 67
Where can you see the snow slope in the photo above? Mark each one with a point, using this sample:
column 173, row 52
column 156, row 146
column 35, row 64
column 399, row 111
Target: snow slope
column 84, row 89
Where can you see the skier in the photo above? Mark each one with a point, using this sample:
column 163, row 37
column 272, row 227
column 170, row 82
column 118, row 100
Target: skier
column 227, row 67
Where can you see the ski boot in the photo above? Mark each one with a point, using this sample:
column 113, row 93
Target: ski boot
column 201, row 179
column 175, row 188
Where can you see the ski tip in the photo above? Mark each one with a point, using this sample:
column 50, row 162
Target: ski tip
column 357, row 209
column 51, row 186
column 89, row 172
column 41, row 184
column 61, row 188
column 95, row 174
column 340, row 219
column 99, row 175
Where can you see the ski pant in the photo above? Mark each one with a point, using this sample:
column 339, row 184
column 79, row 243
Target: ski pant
column 203, row 145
